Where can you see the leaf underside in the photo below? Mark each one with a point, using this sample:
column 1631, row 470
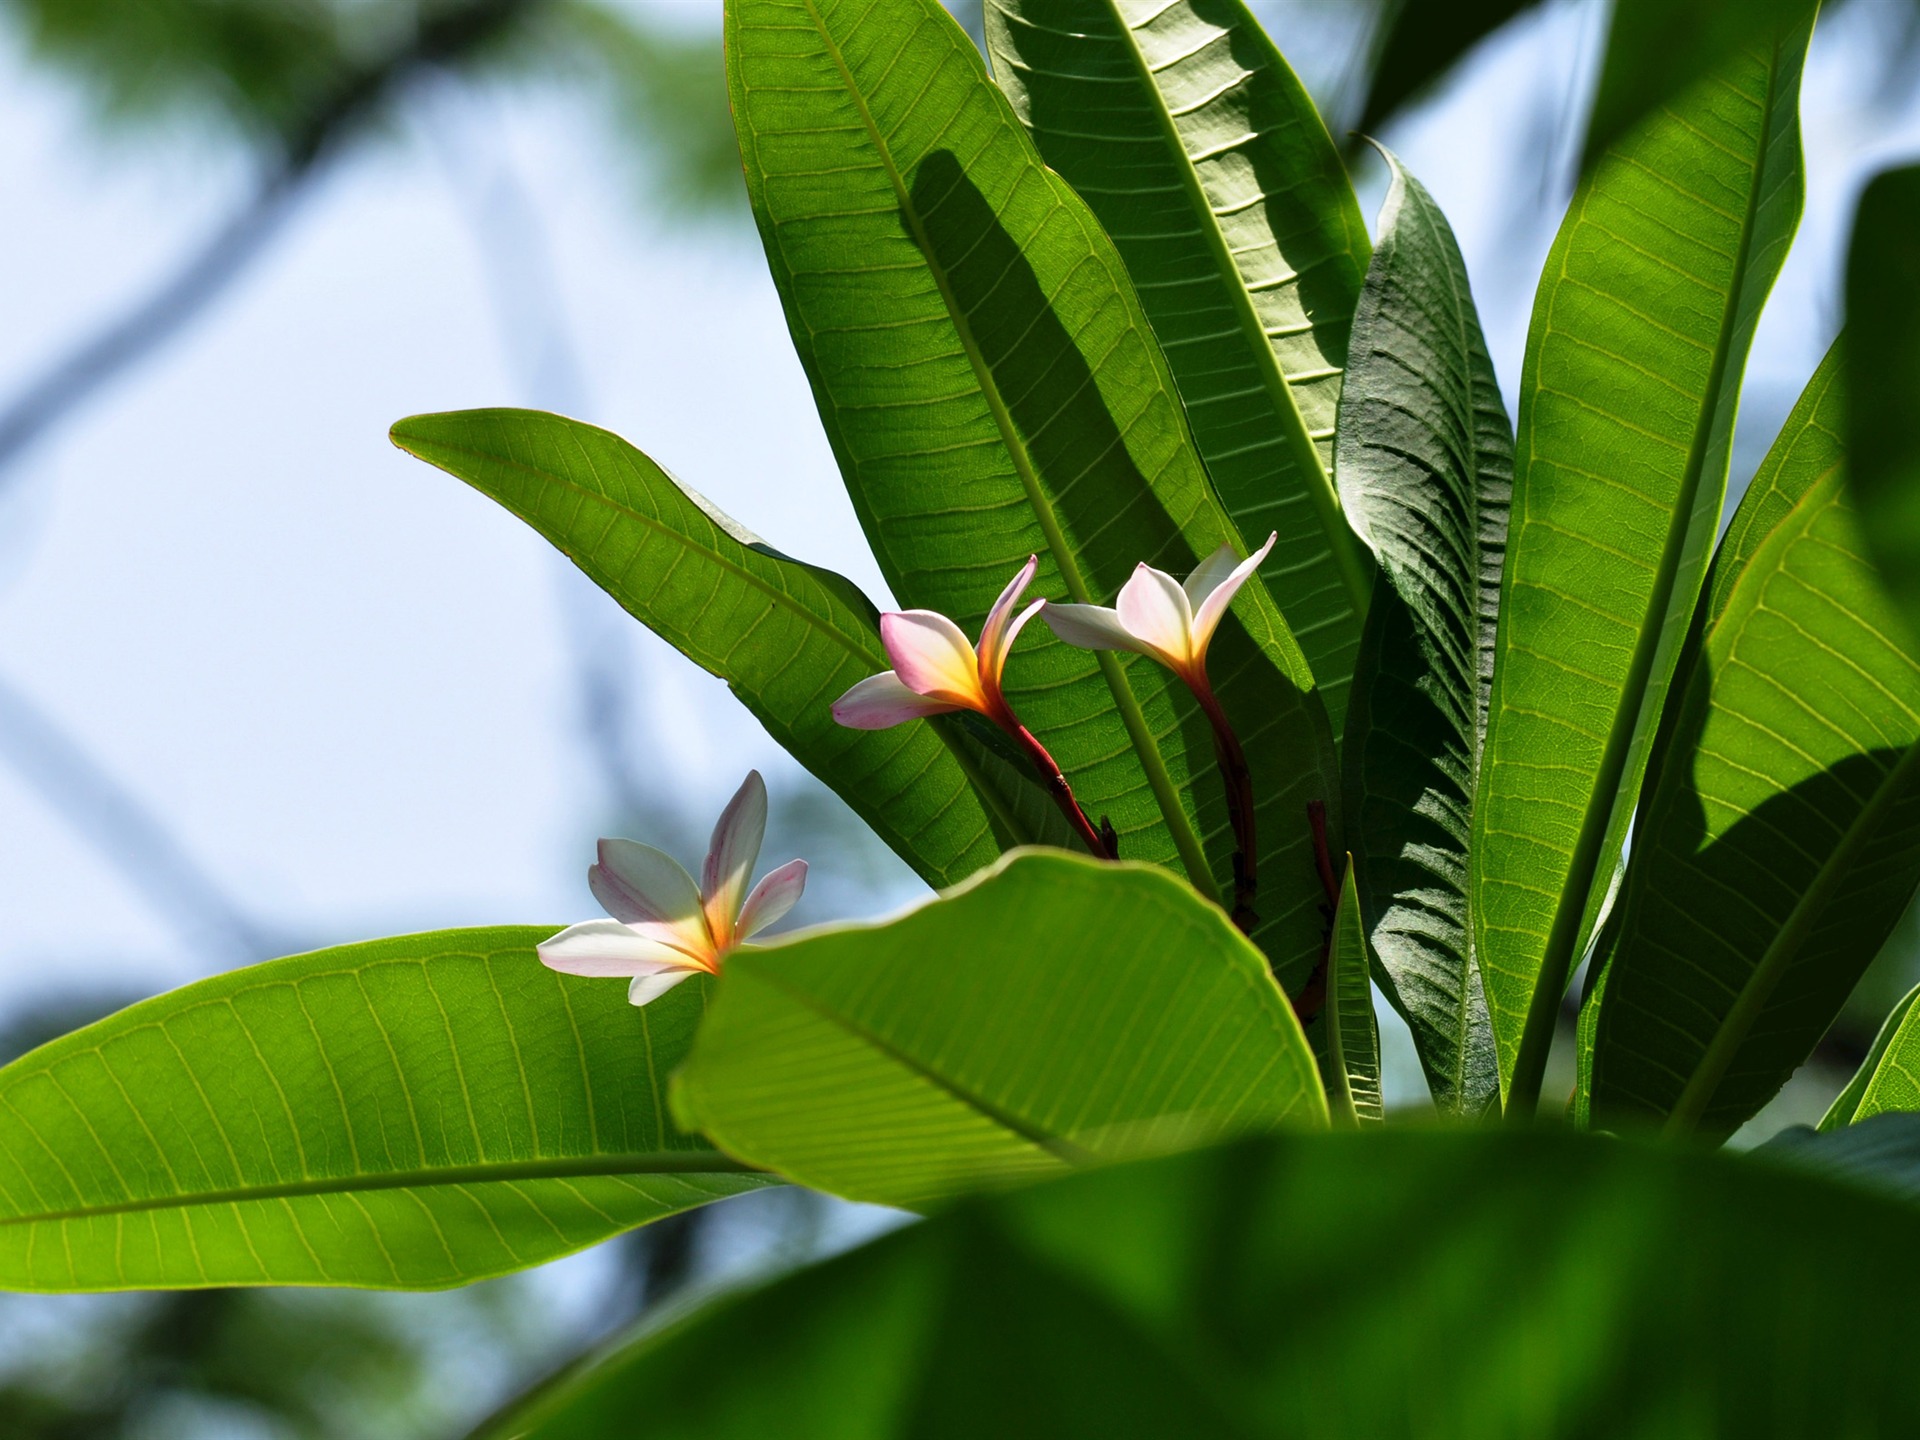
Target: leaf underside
column 1426, row 471
column 404, row 1114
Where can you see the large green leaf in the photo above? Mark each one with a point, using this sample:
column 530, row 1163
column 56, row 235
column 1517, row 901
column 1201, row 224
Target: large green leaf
column 1639, row 338
column 1780, row 842
column 1431, row 1286
column 409, row 1113
column 1204, row 158
column 1656, row 49
column 1352, row 1069
column 1808, row 446
column 786, row 637
column 991, row 389
column 1426, row 470
column 1055, row 1010
column 1883, row 377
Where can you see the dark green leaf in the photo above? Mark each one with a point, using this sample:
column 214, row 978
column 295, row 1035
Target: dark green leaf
column 1426, row 471
column 1422, row 41
column 1881, row 1153
column 1847, row 1103
column 1203, row 157
column 409, row 1113
column 1639, row 339
column 1352, row 1071
column 1883, row 379
column 1391, row 1285
column 1780, row 842
column 787, row 638
column 992, row 389
column 1056, row 1010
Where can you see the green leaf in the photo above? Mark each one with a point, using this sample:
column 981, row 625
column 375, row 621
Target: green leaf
column 1389, row 1285
column 1657, row 49
column 1352, row 1071
column 1846, row 1104
column 1426, row 470
column 404, row 1114
column 1204, row 158
column 1639, row 338
column 1891, row 1073
column 1780, row 843
column 1054, row 1011
column 787, row 638
column 992, row 389
column 1883, row 376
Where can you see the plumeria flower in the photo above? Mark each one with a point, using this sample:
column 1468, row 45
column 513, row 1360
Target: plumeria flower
column 936, row 671
column 664, row 927
column 1174, row 622
column 1170, row 620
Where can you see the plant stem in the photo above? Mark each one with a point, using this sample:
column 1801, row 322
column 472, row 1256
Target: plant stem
column 1057, row 787
column 1237, row 779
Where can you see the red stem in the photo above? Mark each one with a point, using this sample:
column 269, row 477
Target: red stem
column 1057, row 786
column 1237, row 779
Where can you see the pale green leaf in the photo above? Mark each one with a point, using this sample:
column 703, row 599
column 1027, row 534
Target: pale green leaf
column 1892, row 1072
column 1639, row 339
column 1054, row 1011
column 1847, row 1103
column 1426, row 472
column 409, row 1113
column 1204, row 158
column 992, row 389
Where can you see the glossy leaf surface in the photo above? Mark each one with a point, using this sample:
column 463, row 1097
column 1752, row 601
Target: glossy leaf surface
column 1455, row 1286
column 1781, row 842
column 1054, row 1011
column 992, row 389
column 788, row 638
column 1205, row 160
column 407, row 1113
column 1426, row 471
column 1639, row 338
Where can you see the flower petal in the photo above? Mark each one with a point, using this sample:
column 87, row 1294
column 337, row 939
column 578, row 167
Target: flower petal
column 1208, row 574
column 1154, row 609
column 636, row 882
column 653, row 986
column 881, row 701
column 932, row 657
column 606, row 947
column 1214, row 608
column 1091, row 627
column 771, row 899
column 997, row 634
column 731, row 856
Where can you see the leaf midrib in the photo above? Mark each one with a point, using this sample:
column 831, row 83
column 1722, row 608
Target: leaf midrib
column 1193, row 854
column 1341, row 540
column 1563, row 937
column 649, row 1162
